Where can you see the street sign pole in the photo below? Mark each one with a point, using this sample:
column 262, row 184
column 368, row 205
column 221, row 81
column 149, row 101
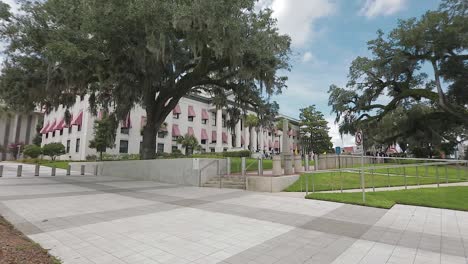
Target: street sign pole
column 359, row 142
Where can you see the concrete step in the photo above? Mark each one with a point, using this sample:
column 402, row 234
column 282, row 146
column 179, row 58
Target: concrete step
column 227, row 186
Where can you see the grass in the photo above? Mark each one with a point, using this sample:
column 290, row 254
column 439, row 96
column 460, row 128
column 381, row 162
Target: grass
column 351, row 180
column 445, row 197
column 59, row 164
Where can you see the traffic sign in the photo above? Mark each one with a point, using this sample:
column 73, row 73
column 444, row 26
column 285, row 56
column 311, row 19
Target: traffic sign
column 358, row 138
column 338, row 150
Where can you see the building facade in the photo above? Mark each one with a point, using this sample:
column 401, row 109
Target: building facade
column 194, row 115
column 17, row 129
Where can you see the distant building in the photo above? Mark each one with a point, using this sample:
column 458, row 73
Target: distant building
column 194, row 115
column 17, row 128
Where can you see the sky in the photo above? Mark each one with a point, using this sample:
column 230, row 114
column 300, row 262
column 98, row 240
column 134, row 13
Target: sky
column 327, row 35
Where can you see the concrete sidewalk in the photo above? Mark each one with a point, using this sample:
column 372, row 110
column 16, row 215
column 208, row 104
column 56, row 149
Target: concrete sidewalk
column 113, row 220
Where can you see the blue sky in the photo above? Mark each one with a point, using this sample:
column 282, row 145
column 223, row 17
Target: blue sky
column 327, row 35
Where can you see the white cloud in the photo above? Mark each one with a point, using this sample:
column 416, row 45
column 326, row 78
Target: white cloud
column 373, row 8
column 13, row 4
column 307, row 57
column 297, row 17
column 338, row 140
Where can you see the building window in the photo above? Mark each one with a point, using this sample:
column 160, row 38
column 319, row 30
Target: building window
column 190, row 118
column 161, row 134
column 269, row 134
column 213, row 119
column 61, row 132
column 160, row 148
column 47, row 135
column 70, row 130
column 79, row 128
column 77, row 147
column 174, row 138
column 68, row 146
column 176, row 116
column 204, row 121
column 124, row 130
column 212, row 150
column 224, row 121
column 203, row 141
column 174, row 148
column 53, row 134
column 82, row 97
column 123, row 147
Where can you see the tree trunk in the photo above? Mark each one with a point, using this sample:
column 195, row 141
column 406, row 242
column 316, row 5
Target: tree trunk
column 149, row 140
column 100, row 155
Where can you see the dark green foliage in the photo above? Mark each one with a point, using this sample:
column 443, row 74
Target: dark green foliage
column 314, row 131
column 234, row 154
column 104, row 135
column 148, row 52
column 189, row 143
column 53, row 150
column 32, row 151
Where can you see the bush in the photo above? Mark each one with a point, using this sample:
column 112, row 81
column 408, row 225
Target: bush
column 91, row 158
column 32, row 151
column 53, row 150
column 237, row 154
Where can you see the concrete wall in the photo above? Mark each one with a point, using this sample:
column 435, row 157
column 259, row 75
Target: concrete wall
column 176, row 171
column 270, row 184
column 326, row 162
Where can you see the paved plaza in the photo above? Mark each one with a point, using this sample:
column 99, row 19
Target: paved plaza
column 88, row 219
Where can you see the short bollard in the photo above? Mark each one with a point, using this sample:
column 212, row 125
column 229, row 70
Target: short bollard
column 96, row 170
column 54, row 169
column 82, row 172
column 260, row 167
column 37, row 169
column 1, row 171
column 68, row 170
column 19, row 171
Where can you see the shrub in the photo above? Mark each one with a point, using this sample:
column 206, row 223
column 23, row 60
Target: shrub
column 91, row 157
column 32, row 151
column 53, row 150
column 237, row 154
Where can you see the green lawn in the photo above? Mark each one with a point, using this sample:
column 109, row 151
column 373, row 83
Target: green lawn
column 444, row 197
column 351, row 180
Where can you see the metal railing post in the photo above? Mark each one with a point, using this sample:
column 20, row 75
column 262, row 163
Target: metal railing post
column 404, row 175
column 243, row 166
column 342, row 180
column 68, row 170
column 96, row 170
column 307, row 184
column 363, row 186
column 82, row 172
column 19, row 171
column 388, row 177
column 373, row 183
column 446, row 173
column 417, row 175
column 219, row 175
column 259, row 167
column 1, row 171
column 313, row 184
column 458, row 171
column 53, row 171
column 228, row 166
column 437, row 175
column 36, row 169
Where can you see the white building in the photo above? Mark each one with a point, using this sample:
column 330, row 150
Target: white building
column 17, row 128
column 193, row 115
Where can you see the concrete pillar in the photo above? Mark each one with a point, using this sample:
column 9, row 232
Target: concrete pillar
column 238, row 134
column 82, row 172
column 53, row 172
column 229, row 139
column 68, row 170
column 298, row 164
column 254, row 140
column 277, row 166
column 262, row 139
column 246, row 137
column 219, row 131
column 286, row 152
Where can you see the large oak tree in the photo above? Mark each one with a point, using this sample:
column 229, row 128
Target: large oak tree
column 147, row 52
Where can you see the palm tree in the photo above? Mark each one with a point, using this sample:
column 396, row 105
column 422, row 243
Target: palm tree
column 189, row 142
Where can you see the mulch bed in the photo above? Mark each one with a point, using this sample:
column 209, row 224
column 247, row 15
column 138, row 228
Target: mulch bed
column 16, row 248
